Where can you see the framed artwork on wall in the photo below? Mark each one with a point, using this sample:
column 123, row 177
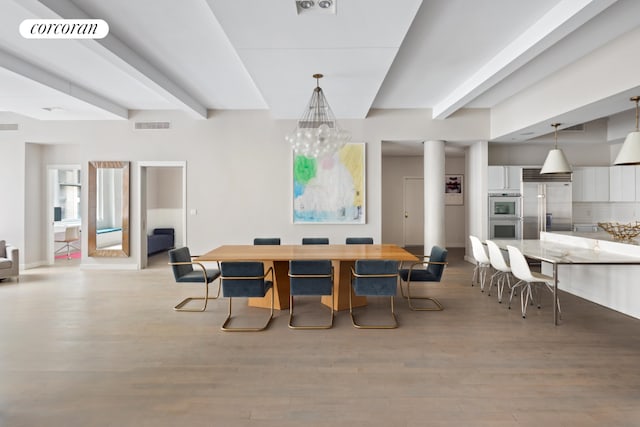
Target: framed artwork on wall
column 331, row 189
column 453, row 190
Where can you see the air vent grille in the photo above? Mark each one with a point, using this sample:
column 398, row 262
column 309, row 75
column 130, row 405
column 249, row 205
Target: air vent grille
column 533, row 175
column 152, row 125
column 8, row 126
column 576, row 128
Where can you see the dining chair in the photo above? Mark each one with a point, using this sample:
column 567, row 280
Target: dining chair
column 373, row 278
column 315, row 241
column 71, row 234
column 522, row 272
column 359, row 241
column 501, row 268
column 245, row 279
column 429, row 269
column 182, row 263
column 310, row 277
column 482, row 262
column 266, row 241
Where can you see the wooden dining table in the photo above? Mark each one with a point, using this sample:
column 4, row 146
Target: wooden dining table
column 343, row 258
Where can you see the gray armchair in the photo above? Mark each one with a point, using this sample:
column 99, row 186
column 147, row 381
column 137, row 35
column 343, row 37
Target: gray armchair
column 9, row 261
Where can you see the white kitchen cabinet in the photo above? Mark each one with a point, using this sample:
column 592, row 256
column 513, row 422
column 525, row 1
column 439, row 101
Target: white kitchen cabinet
column 504, row 179
column 591, row 184
column 622, row 184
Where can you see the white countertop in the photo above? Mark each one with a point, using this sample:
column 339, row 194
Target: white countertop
column 600, row 240
column 597, row 235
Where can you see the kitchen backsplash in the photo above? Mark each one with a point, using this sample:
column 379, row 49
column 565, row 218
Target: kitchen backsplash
column 594, row 212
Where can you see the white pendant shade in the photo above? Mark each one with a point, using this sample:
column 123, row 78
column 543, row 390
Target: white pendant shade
column 556, row 163
column 630, row 152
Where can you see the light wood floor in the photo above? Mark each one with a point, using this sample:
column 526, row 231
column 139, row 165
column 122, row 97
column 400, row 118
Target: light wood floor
column 89, row 348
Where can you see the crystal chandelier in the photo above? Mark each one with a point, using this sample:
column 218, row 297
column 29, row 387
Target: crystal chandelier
column 317, row 133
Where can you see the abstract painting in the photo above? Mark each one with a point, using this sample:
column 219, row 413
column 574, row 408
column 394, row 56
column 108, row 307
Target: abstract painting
column 331, row 189
column 453, row 190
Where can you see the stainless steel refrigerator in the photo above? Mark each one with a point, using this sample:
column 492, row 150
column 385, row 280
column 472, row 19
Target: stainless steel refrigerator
column 546, row 203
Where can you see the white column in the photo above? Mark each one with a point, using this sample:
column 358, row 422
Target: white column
column 434, row 225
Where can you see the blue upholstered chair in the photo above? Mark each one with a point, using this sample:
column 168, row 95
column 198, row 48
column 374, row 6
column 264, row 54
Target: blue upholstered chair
column 245, row 279
column 182, row 264
column 430, row 269
column 315, row 241
column 266, row 241
column 374, row 278
column 359, row 241
column 311, row 277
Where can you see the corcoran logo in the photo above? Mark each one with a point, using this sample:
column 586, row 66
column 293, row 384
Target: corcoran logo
column 64, row 29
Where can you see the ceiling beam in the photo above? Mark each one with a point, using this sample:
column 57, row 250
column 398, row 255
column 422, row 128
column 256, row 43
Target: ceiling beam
column 121, row 55
column 561, row 20
column 46, row 78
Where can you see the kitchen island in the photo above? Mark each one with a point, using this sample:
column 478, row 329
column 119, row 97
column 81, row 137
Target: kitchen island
column 613, row 286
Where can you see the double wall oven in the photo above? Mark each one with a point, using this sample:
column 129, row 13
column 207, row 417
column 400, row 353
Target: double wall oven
column 505, row 216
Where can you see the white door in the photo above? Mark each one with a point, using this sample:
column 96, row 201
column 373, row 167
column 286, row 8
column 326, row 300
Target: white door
column 413, row 211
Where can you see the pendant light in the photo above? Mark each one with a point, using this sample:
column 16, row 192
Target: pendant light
column 556, row 161
column 317, row 133
column 630, row 152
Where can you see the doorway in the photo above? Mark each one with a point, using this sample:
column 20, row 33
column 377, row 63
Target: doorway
column 163, row 201
column 64, row 192
column 413, row 202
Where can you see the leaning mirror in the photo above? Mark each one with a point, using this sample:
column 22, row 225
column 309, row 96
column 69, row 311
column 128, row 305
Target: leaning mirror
column 108, row 209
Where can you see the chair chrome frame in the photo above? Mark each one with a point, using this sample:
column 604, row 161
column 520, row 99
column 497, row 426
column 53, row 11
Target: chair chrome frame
column 225, row 326
column 502, row 271
column 482, row 266
column 393, row 325
column 206, row 298
column 68, row 244
column 528, row 286
column 408, row 297
column 333, row 302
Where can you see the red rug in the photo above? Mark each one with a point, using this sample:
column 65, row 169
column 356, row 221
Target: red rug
column 74, row 255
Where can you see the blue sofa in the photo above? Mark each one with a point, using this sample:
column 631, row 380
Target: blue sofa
column 161, row 240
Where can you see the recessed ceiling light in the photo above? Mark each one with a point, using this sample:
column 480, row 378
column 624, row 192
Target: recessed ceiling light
column 316, row 7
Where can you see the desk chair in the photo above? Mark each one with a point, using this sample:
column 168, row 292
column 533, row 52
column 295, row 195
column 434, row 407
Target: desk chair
column 71, row 234
column 374, row 278
column 522, row 272
column 315, row 241
column 245, row 279
column 502, row 269
column 313, row 277
column 359, row 241
column 266, row 241
column 430, row 269
column 182, row 264
column 482, row 262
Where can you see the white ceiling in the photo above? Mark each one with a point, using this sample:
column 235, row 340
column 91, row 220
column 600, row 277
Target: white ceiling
column 200, row 55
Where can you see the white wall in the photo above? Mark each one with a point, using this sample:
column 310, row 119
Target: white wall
column 455, row 218
column 12, row 182
column 35, row 230
column 164, row 200
column 238, row 168
column 394, row 170
column 530, row 154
